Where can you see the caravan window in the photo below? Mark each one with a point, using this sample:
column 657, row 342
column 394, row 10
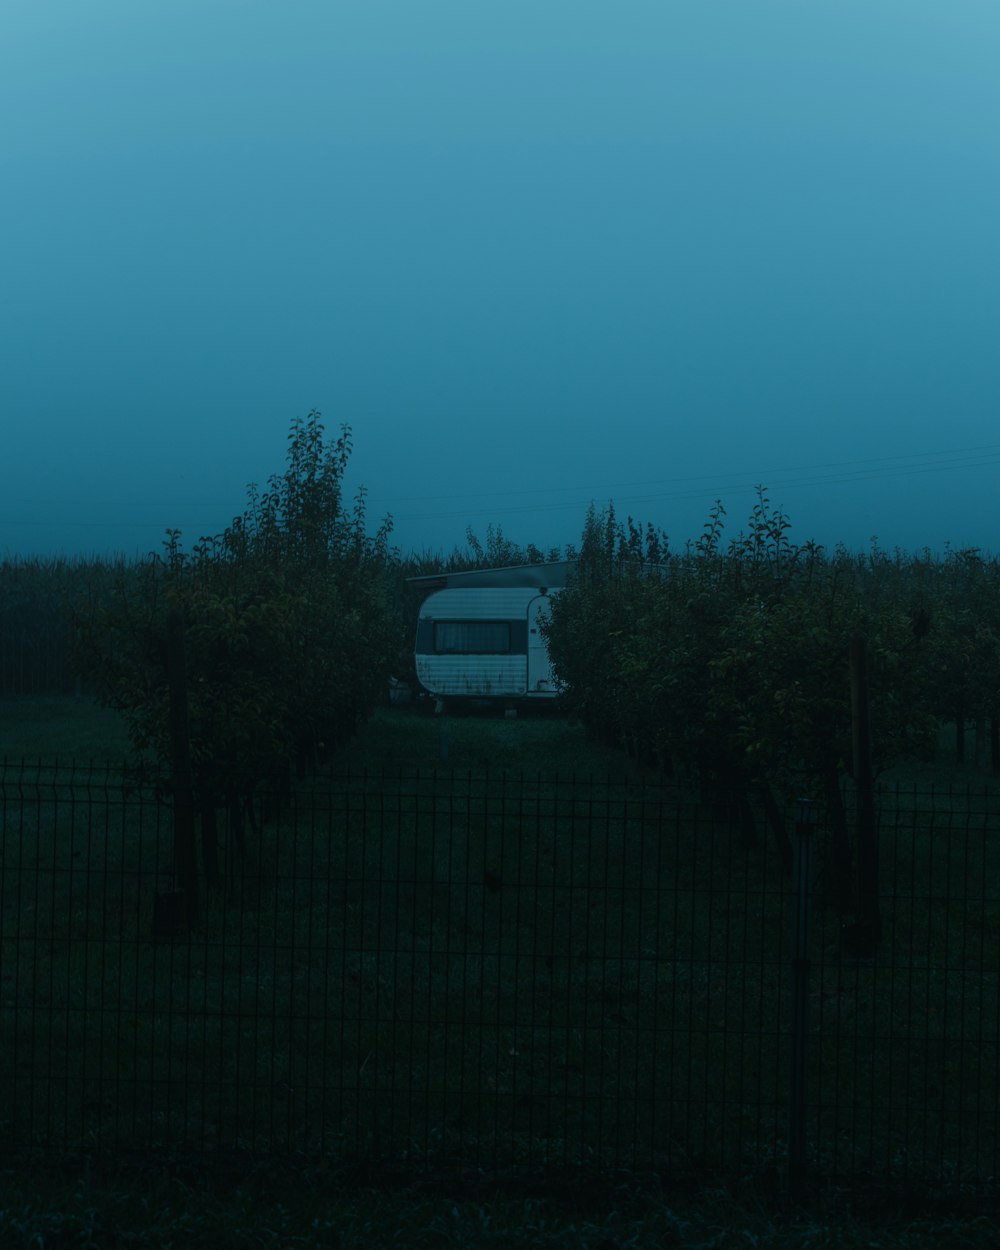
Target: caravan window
column 471, row 637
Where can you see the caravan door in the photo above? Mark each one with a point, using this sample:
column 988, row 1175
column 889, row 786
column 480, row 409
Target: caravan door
column 540, row 678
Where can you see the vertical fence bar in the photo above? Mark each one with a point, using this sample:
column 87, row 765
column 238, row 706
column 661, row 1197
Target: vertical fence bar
column 868, row 883
column 81, row 984
column 800, row 976
column 185, row 857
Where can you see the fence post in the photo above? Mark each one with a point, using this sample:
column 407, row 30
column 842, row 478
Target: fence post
column 800, row 975
column 185, row 860
column 870, row 928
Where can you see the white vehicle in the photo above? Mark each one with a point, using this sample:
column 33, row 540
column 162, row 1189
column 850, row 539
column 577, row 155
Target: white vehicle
column 478, row 633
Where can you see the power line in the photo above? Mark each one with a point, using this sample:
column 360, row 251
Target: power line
column 714, row 487
column 717, row 491
column 714, row 478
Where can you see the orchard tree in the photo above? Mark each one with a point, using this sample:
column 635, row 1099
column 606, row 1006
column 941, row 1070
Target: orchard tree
column 288, row 637
column 731, row 663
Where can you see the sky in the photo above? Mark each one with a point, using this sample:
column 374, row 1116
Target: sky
column 536, row 253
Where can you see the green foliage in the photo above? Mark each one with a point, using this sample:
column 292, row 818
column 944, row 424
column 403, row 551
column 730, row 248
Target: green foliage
column 730, row 663
column 34, row 628
column 289, row 637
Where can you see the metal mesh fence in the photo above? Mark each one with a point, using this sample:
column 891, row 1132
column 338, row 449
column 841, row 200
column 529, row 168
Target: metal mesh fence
column 490, row 968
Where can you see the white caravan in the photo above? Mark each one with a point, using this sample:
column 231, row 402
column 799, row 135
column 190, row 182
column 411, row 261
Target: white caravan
column 478, row 633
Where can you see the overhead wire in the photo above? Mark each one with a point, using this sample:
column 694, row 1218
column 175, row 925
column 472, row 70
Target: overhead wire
column 688, row 487
column 760, row 475
column 717, row 490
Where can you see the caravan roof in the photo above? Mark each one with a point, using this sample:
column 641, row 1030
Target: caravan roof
column 553, row 575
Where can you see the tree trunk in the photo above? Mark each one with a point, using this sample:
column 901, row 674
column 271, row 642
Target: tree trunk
column 210, row 844
column 185, row 856
column 864, row 789
column 234, row 803
column 841, row 885
column 776, row 819
column 748, row 825
column 739, row 812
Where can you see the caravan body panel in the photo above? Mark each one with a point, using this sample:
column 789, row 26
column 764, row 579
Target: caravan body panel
column 483, row 642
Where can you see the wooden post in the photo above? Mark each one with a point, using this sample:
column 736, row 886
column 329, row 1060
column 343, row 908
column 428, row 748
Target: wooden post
column 864, row 790
column 798, row 1093
column 185, row 857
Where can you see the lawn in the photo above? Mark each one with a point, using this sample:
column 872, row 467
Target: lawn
column 308, row 1209
column 452, row 948
column 53, row 727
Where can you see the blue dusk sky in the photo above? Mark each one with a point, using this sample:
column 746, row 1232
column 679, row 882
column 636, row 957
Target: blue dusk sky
column 534, row 252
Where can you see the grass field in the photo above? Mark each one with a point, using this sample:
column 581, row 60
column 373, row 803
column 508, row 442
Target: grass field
column 361, row 986
column 301, row 1209
column 305, row 1210
column 51, row 727
column 621, row 997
